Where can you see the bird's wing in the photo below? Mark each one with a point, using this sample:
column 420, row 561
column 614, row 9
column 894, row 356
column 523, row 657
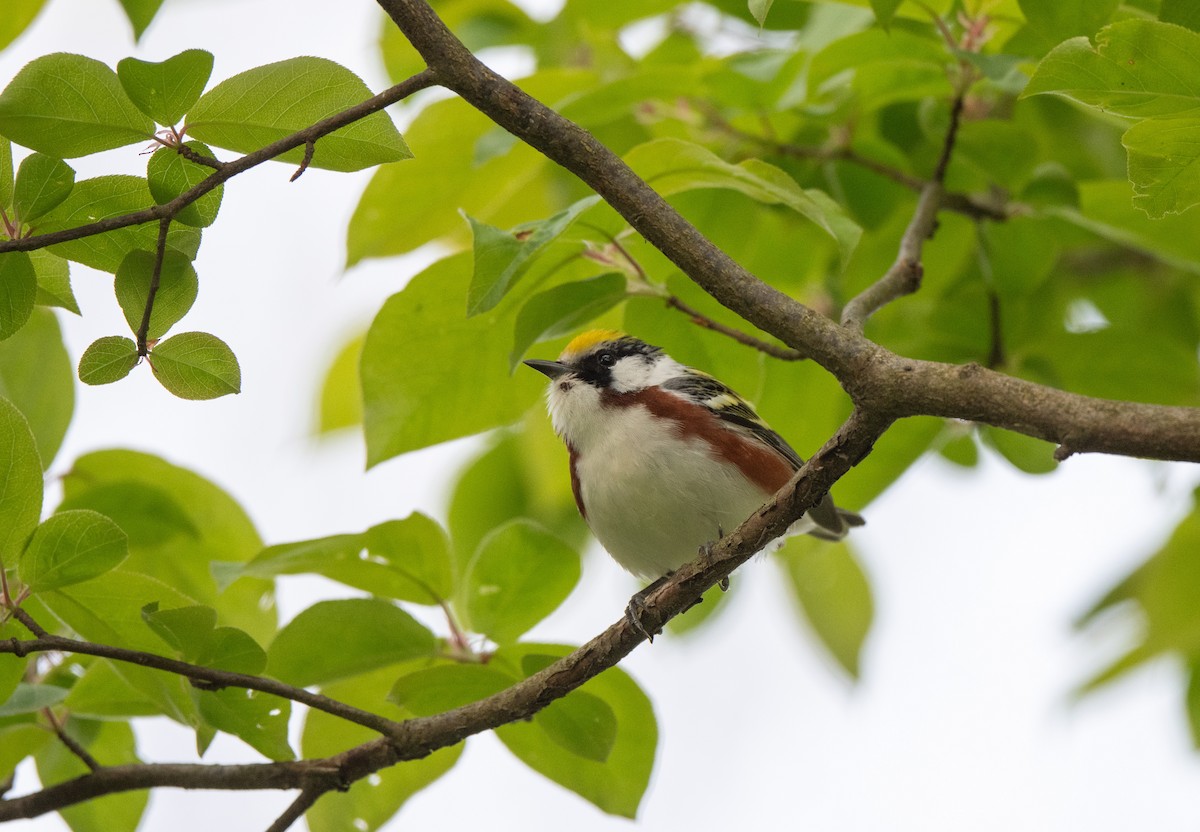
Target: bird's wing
column 733, row 410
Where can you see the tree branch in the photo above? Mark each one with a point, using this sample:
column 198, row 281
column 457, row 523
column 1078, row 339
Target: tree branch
column 877, row 379
column 160, row 252
column 700, row 319
column 69, row 741
column 904, row 276
column 211, row 678
column 417, row 738
column 228, row 170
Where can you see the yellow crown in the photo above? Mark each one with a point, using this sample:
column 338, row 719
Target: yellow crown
column 589, row 339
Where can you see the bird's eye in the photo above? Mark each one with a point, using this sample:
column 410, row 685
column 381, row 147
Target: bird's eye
column 606, row 359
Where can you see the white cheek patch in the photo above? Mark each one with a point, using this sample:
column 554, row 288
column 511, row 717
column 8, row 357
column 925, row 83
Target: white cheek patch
column 637, row 372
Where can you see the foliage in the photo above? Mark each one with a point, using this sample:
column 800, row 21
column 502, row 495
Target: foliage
column 795, row 135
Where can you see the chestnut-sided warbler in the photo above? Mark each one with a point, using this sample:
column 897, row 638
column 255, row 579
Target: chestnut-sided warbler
column 664, row 458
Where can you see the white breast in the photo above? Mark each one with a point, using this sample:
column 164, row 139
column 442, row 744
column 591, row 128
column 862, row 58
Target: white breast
column 653, row 501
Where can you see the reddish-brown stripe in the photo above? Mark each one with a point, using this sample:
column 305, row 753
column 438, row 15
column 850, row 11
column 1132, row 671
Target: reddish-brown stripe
column 760, row 464
column 575, row 481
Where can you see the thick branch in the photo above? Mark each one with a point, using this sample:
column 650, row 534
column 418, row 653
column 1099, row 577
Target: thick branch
column 228, row 170
column 418, row 738
column 875, row 378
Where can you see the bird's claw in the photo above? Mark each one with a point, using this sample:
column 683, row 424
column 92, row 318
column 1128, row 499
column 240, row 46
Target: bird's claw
column 710, row 558
column 636, row 609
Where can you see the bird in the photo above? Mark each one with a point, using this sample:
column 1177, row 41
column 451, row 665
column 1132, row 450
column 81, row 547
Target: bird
column 664, row 458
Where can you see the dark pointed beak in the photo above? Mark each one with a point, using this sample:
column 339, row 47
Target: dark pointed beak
column 550, row 369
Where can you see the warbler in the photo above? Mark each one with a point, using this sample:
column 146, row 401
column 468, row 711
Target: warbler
column 665, row 458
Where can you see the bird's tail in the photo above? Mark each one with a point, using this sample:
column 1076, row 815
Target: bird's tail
column 832, row 523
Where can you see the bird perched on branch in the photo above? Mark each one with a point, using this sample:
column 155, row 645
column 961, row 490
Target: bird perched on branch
column 665, row 458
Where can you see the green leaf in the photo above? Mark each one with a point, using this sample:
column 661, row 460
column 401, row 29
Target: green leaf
column 759, row 10
column 72, row 547
column 503, row 191
column 372, row 801
column 20, row 483
column 149, row 515
column 341, row 392
column 259, row 719
column 186, row 629
column 415, row 547
column 36, row 376
column 1164, row 164
column 267, row 103
column 140, row 13
column 502, row 257
column 112, row 743
column 581, row 723
column 170, row 173
column 165, row 91
column 1182, row 13
column 1138, row 69
column 27, row 699
column 234, row 650
column 403, row 559
column 108, row 610
column 12, row 666
column 520, row 574
column 1058, row 20
column 6, row 171
column 67, row 105
column 54, row 281
column 196, row 365
column 42, row 183
column 522, row 474
column 435, row 690
column 615, row 786
column 833, row 594
column 107, row 359
column 884, row 10
column 334, row 639
column 102, row 693
column 18, row 291
column 429, row 374
column 1033, row 456
column 178, row 524
column 112, row 196
column 672, row 166
column 18, row 14
column 20, row 740
column 177, row 289
column 1106, row 209
column 1164, row 588
column 564, row 309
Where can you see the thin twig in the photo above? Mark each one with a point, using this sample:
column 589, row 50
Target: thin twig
column 307, row 797
column 72, row 745
column 160, row 253
column 228, row 170
column 904, row 276
column 960, row 203
column 700, row 319
column 199, row 158
column 310, row 147
column 211, row 678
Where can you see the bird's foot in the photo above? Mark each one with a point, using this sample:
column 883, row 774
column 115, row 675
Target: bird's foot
column 710, row 558
column 636, row 609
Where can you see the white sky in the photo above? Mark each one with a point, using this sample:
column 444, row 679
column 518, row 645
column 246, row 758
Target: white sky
column 963, row 719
